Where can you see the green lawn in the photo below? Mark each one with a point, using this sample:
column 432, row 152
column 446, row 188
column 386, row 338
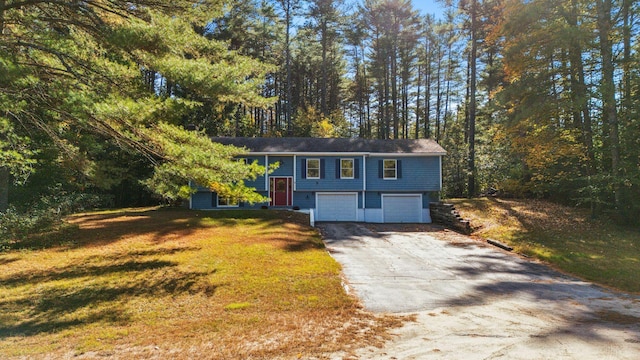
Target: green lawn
column 181, row 284
column 593, row 249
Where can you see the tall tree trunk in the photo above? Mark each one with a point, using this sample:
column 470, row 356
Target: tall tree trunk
column 394, row 90
column 325, row 66
column 626, row 59
column 609, row 110
column 449, row 75
column 417, row 134
column 581, row 113
column 427, row 93
column 4, row 172
column 288, row 67
column 467, row 99
column 2, row 6
column 4, row 189
column 471, row 165
column 366, row 95
column 438, row 96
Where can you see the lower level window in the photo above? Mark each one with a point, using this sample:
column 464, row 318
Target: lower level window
column 227, row 202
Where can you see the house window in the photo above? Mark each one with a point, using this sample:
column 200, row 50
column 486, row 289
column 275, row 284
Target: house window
column 227, row 202
column 313, row 168
column 390, row 169
column 346, row 168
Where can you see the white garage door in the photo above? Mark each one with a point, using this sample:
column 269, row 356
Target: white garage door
column 402, row 208
column 336, row 207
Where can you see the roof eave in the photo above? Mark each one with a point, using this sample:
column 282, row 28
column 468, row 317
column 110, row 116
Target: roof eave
column 325, row 153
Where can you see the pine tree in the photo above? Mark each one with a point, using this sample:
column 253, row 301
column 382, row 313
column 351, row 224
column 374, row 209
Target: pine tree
column 72, row 69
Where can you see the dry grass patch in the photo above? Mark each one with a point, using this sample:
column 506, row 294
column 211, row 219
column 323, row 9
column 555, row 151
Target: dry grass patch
column 181, row 284
column 594, row 249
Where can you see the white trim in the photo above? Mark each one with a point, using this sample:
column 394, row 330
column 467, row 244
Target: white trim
column 307, row 169
column 316, row 154
column 295, row 183
column 269, row 190
column 405, row 154
column 266, row 174
column 311, row 154
column 353, row 169
column 401, row 195
column 440, row 157
column 395, row 168
column 364, row 175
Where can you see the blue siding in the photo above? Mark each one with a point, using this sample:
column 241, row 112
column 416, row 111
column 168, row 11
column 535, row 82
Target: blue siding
column 285, row 168
column 330, row 175
column 203, row 200
column 418, row 174
column 304, row 199
column 374, row 200
column 258, row 183
column 429, row 197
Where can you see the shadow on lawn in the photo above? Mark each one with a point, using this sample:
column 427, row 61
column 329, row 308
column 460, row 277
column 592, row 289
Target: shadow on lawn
column 97, row 294
column 96, row 288
column 155, row 225
column 169, row 224
column 287, row 230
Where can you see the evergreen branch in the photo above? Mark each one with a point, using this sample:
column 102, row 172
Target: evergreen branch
column 64, row 58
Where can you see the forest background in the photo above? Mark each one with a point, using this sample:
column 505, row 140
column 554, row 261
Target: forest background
column 111, row 103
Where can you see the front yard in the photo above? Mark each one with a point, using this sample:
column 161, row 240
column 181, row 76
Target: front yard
column 180, row 284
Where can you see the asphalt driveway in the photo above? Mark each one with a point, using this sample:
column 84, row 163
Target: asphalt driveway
column 475, row 301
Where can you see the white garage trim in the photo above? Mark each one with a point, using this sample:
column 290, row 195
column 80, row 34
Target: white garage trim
column 336, row 206
column 402, row 208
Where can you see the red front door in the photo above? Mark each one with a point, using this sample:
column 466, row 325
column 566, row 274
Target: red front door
column 281, row 191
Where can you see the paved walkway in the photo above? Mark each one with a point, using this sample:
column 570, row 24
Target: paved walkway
column 475, row 301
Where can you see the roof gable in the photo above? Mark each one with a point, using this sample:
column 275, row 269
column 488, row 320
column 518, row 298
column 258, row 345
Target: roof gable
column 290, row 145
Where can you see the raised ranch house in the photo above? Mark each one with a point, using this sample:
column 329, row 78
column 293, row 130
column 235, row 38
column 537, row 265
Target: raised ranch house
column 378, row 181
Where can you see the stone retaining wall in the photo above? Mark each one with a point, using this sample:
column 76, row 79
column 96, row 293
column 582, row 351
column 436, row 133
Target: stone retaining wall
column 447, row 215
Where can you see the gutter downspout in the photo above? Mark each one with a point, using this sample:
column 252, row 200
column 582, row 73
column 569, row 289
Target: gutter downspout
column 440, row 157
column 295, row 177
column 364, row 187
column 266, row 175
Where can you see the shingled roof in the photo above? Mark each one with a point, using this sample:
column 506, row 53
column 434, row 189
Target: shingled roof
column 290, row 145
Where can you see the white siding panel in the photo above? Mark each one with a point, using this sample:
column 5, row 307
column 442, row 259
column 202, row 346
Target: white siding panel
column 336, row 207
column 402, row 208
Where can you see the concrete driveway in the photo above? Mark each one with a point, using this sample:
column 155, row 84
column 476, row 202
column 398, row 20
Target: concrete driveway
column 475, row 301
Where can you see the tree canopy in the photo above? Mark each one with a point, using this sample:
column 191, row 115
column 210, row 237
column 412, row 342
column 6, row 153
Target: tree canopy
column 536, row 98
column 75, row 75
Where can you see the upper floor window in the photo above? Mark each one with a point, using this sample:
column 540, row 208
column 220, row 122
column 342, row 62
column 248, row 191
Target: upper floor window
column 390, row 169
column 313, row 168
column 346, row 169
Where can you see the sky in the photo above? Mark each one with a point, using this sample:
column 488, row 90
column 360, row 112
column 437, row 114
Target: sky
column 429, row 7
